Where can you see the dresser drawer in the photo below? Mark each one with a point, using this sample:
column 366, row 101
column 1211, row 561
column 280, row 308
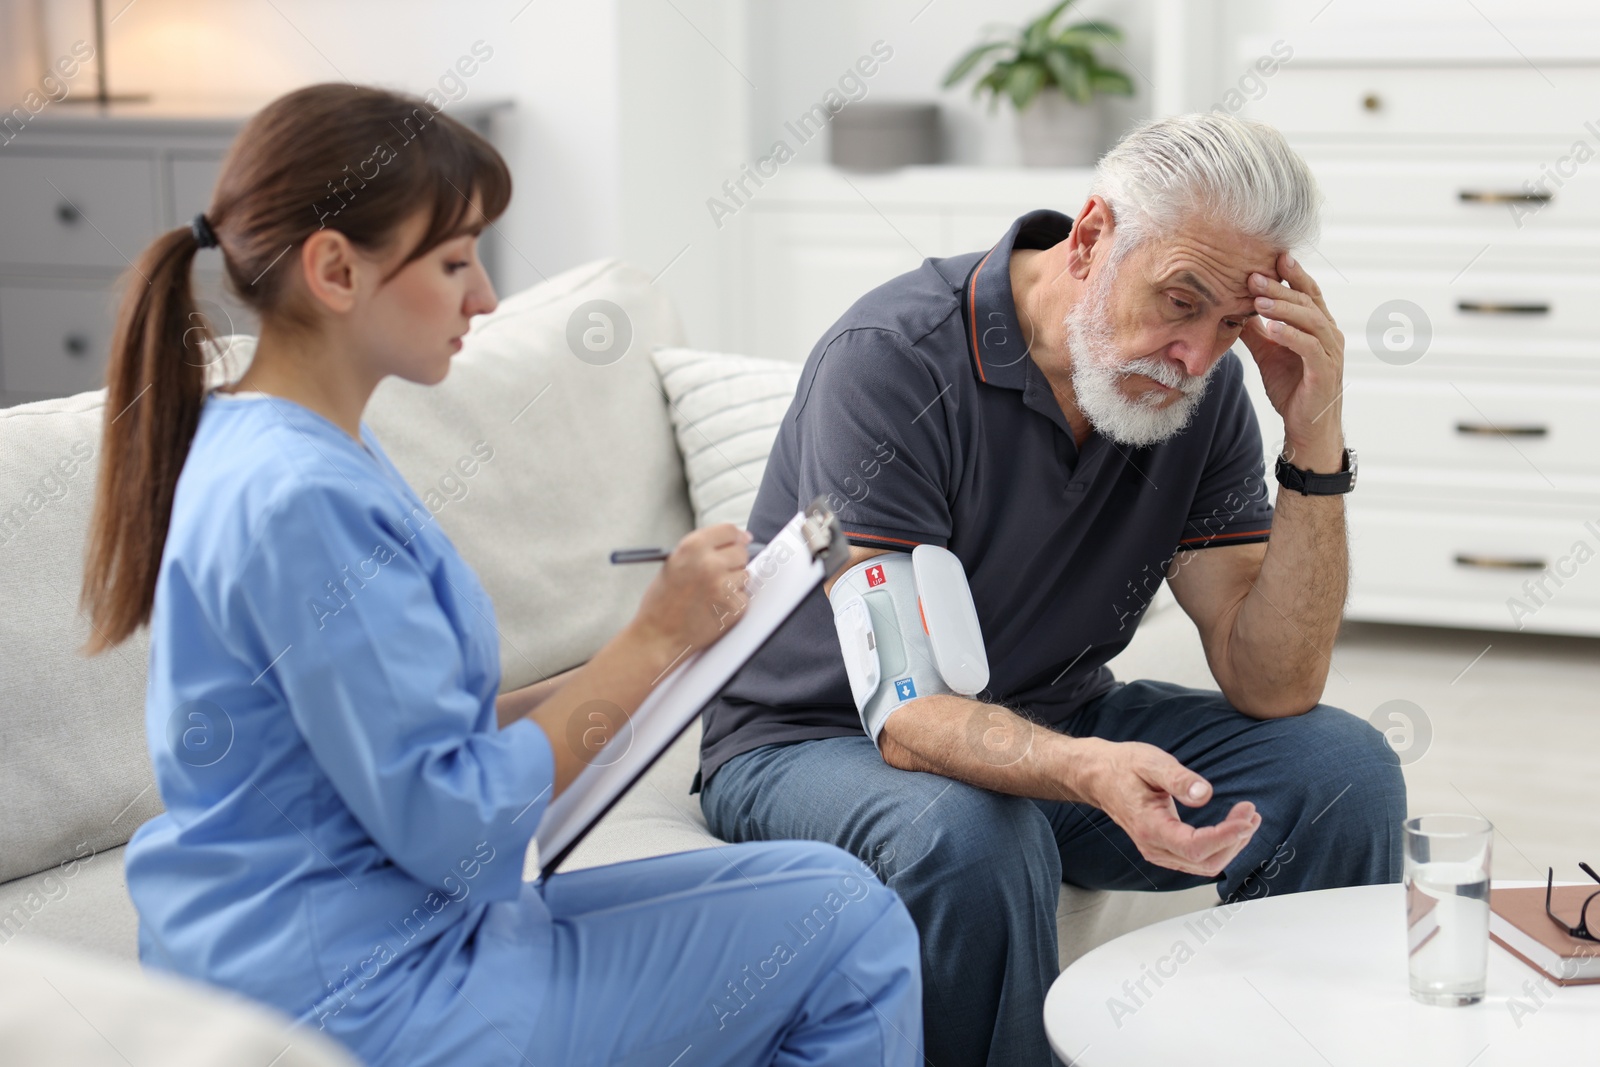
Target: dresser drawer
column 1531, row 194
column 1422, row 417
column 1429, row 102
column 1516, row 309
column 79, row 211
column 1503, row 571
column 54, row 340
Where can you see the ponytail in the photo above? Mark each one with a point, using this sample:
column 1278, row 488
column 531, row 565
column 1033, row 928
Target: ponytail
column 155, row 386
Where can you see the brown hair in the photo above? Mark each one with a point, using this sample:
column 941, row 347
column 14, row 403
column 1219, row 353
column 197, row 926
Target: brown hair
column 334, row 155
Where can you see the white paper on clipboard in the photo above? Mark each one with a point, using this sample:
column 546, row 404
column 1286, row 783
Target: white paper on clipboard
column 778, row 580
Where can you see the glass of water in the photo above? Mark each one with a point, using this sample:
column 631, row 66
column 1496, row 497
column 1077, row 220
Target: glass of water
column 1447, row 907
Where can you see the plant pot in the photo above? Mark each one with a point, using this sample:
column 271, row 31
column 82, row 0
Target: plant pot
column 1053, row 131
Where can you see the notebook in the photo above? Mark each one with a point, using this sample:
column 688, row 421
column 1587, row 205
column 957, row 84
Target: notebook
column 810, row 548
column 1518, row 924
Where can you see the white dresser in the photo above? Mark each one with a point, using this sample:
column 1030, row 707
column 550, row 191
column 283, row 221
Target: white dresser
column 1461, row 258
column 82, row 191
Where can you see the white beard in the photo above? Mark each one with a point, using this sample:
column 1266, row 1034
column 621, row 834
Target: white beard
column 1098, row 370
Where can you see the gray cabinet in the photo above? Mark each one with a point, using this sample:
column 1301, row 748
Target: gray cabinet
column 82, row 192
column 81, row 195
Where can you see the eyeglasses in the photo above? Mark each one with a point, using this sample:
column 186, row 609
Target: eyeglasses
column 1582, row 929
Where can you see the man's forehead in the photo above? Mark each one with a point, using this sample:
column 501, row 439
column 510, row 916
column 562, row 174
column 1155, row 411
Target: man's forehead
column 1216, row 272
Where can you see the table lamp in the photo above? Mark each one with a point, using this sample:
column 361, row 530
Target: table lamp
column 103, row 94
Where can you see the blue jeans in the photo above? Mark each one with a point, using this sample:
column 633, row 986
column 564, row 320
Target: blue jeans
column 785, row 954
column 980, row 872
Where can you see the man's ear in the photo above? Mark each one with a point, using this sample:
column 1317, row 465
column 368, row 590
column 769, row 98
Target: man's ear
column 1091, row 236
column 328, row 264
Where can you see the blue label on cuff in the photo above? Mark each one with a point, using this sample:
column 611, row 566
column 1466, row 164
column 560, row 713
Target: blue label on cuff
column 905, row 689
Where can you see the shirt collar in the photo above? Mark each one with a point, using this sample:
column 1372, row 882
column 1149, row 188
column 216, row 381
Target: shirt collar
column 994, row 335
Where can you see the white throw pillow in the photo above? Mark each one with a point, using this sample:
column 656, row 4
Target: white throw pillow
column 726, row 410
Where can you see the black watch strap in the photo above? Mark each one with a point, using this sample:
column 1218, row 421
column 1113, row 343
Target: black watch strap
column 1310, row 483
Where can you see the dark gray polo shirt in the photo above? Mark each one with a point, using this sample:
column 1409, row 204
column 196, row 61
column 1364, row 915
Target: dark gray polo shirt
column 923, row 418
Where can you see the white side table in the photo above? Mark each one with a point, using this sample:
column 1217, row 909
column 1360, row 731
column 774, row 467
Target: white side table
column 1317, row 979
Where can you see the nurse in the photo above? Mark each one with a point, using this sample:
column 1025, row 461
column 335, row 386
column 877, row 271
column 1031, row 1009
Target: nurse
column 348, row 800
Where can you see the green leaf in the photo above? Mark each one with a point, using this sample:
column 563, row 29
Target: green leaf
column 1077, row 86
column 1034, row 39
column 993, row 83
column 1111, row 82
column 966, row 63
column 1060, row 65
column 1077, row 56
column 1024, row 83
column 1043, row 22
column 1090, row 33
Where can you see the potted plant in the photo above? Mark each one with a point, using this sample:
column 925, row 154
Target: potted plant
column 1051, row 76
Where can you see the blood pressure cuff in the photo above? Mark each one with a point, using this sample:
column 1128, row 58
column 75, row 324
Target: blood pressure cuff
column 907, row 628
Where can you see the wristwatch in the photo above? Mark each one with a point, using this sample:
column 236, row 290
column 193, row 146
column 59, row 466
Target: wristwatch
column 1310, row 483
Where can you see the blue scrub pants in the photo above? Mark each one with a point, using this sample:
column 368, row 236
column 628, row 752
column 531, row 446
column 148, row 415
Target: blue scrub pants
column 786, row 953
column 980, row 872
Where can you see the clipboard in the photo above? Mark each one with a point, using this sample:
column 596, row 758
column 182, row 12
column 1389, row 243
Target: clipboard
column 811, row 547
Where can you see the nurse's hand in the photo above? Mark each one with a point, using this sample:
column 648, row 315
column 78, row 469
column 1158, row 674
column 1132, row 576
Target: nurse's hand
column 699, row 592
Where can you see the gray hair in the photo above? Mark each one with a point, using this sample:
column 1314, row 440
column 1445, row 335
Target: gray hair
column 1240, row 173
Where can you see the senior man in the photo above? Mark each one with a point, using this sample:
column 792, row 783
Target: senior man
column 1063, row 412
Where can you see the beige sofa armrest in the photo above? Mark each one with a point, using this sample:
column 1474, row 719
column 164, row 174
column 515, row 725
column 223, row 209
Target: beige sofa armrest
column 62, row 1006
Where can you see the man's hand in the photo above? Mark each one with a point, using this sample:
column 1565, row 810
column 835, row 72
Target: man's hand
column 1136, row 784
column 1300, row 353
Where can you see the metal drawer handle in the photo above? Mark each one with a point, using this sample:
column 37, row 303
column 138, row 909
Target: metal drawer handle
column 1500, row 563
column 1476, row 196
column 1489, row 429
column 1491, row 307
column 68, row 214
column 76, row 344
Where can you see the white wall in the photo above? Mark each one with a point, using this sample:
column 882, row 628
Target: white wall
column 800, row 47
column 20, row 62
column 557, row 63
column 682, row 131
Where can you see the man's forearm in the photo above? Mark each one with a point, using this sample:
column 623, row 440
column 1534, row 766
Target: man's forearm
column 1283, row 635
column 981, row 744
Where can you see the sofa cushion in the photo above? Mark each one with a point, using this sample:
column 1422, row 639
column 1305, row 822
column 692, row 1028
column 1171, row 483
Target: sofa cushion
column 74, row 773
column 82, row 902
column 725, row 411
column 539, row 455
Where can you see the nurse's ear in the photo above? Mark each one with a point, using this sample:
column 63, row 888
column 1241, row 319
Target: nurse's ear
column 331, row 269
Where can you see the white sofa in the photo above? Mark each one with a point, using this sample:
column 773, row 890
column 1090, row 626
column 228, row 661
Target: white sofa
column 582, row 458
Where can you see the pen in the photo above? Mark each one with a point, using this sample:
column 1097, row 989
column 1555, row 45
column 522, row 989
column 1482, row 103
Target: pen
column 656, row 555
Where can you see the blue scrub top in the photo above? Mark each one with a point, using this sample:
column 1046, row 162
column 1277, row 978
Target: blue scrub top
column 345, row 824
